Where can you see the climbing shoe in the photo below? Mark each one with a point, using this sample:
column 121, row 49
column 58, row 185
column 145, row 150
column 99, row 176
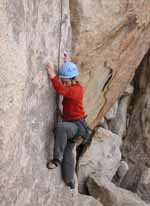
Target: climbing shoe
column 71, row 184
column 52, row 164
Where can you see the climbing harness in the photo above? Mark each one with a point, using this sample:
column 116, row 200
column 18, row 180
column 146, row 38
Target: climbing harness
column 83, row 132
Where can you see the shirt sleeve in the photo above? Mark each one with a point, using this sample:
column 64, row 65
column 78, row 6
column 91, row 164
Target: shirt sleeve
column 61, row 89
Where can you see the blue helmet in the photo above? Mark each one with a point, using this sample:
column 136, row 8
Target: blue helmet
column 68, row 70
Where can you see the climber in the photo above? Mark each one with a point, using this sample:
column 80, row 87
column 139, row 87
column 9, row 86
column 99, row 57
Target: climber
column 73, row 124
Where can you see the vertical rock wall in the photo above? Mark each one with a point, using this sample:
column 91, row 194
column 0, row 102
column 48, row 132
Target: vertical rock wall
column 136, row 148
column 29, row 37
column 110, row 39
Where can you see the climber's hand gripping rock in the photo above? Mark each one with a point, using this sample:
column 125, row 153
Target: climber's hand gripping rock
column 50, row 71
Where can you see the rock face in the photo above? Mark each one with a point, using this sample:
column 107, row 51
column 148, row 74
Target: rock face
column 143, row 188
column 110, row 40
column 120, row 174
column 29, row 38
column 119, row 123
column 108, row 45
column 110, row 195
column 136, row 149
column 103, row 156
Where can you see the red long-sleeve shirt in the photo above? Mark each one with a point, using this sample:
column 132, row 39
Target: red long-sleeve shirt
column 72, row 99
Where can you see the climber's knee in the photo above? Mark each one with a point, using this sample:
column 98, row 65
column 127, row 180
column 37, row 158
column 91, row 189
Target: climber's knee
column 59, row 127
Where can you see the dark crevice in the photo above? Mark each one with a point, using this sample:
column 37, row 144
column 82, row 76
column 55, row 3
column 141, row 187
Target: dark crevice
column 138, row 83
column 136, row 146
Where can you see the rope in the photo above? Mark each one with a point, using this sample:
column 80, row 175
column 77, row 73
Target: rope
column 60, row 34
column 58, row 61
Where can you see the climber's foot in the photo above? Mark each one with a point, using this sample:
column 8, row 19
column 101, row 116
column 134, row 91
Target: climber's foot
column 52, row 164
column 71, row 185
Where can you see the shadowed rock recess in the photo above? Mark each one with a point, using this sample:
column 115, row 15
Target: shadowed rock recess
column 108, row 40
column 136, row 147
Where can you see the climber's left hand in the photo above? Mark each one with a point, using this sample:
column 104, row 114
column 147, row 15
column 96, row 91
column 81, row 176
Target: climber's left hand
column 66, row 57
column 50, row 71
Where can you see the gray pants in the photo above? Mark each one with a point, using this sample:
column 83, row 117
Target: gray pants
column 63, row 148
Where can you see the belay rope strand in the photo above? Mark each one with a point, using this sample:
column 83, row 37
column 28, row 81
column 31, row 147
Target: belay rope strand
column 60, row 34
column 58, row 60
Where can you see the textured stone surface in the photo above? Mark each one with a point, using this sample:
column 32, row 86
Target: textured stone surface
column 118, row 125
column 143, row 188
column 117, row 118
column 120, row 174
column 136, row 148
column 112, row 112
column 29, row 38
column 115, row 39
column 109, row 38
column 103, row 156
column 110, row 195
